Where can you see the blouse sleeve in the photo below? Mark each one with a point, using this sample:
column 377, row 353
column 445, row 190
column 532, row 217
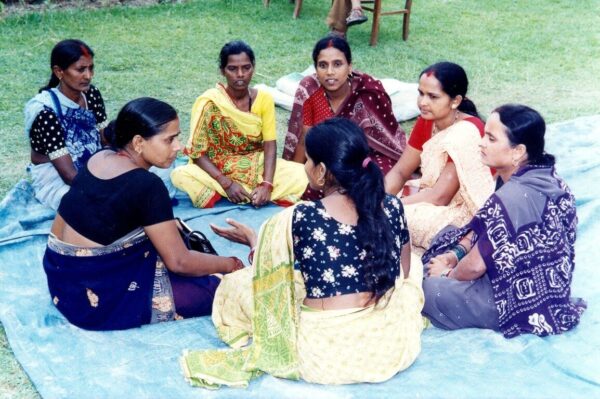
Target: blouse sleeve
column 155, row 204
column 398, row 220
column 420, row 134
column 47, row 136
column 96, row 105
column 267, row 114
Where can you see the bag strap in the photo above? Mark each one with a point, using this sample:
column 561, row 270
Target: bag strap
column 57, row 106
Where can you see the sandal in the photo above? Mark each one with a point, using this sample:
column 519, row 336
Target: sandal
column 356, row 17
column 337, row 33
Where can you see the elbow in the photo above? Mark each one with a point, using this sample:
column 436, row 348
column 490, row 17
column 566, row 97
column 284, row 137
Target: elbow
column 480, row 268
column 177, row 265
column 441, row 199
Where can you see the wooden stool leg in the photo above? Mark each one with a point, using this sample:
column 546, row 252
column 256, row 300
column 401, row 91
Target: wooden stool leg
column 405, row 24
column 297, row 8
column 375, row 29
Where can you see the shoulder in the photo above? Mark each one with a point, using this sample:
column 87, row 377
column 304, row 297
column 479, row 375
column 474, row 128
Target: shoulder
column 46, row 114
column 464, row 130
column 479, row 124
column 392, row 203
column 147, row 178
column 368, row 80
column 144, row 186
column 302, row 208
column 264, row 98
column 38, row 102
column 93, row 91
column 208, row 94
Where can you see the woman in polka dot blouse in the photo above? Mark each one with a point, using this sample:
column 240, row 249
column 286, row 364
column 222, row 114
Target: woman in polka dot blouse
column 63, row 121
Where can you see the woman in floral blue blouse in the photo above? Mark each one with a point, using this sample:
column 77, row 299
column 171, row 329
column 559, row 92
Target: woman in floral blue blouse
column 353, row 285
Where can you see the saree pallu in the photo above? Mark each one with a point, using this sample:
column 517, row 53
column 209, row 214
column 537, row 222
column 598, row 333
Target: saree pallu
column 526, row 233
column 118, row 286
column 263, row 303
column 233, row 141
column 48, row 186
column 368, row 105
column 459, row 142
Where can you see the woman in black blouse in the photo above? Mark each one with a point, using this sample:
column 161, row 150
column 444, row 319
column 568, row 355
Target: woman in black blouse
column 64, row 121
column 115, row 258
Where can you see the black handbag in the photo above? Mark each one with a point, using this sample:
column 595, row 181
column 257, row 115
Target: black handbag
column 194, row 239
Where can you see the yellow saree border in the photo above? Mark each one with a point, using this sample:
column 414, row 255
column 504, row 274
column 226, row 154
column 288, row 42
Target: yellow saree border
column 274, row 322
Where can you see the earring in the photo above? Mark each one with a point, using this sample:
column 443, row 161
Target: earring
column 321, row 181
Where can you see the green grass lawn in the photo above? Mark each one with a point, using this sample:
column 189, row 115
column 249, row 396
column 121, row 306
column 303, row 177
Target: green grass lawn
column 543, row 53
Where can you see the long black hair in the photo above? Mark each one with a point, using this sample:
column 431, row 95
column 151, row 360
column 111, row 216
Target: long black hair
column 64, row 54
column 342, row 146
column 454, row 82
column 234, row 48
column 144, row 116
column 524, row 125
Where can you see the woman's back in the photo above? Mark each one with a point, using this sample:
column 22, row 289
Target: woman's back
column 104, row 210
column 329, row 253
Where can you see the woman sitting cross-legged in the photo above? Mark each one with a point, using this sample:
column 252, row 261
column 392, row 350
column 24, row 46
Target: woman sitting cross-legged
column 115, row 258
column 510, row 268
column 336, row 90
column 328, row 277
column 232, row 147
column 443, row 143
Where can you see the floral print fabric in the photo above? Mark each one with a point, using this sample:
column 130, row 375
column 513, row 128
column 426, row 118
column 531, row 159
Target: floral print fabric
column 329, row 254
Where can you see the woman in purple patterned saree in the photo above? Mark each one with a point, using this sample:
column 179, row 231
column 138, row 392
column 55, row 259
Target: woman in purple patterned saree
column 510, row 268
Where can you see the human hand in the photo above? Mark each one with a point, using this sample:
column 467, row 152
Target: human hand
column 236, row 193
column 448, row 258
column 438, row 266
column 261, row 195
column 236, row 264
column 238, row 233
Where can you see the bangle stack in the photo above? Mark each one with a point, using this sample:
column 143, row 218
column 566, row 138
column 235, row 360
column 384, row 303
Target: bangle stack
column 238, row 263
column 460, row 251
column 268, row 184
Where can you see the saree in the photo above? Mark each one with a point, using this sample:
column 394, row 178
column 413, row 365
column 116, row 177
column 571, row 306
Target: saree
column 368, row 105
column 233, row 140
column 526, row 234
column 263, row 303
column 82, row 140
column 459, row 142
column 114, row 287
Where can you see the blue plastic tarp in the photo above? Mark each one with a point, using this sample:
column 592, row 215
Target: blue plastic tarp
column 65, row 361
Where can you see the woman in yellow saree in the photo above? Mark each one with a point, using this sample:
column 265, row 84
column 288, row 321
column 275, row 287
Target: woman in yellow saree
column 328, row 277
column 232, row 146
